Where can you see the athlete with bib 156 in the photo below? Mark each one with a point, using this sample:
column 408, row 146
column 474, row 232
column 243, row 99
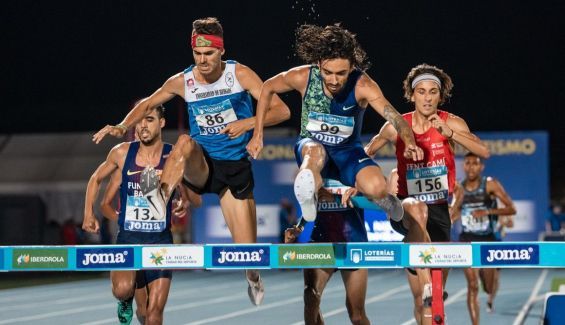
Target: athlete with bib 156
column 335, row 92
column 213, row 158
column 427, row 183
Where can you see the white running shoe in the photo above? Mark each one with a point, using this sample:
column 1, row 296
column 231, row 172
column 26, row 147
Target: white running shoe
column 392, row 206
column 256, row 291
column 149, row 185
column 157, row 203
column 304, row 190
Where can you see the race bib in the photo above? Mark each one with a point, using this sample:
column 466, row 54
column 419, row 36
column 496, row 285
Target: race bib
column 428, row 184
column 328, row 128
column 139, row 218
column 472, row 224
column 211, row 119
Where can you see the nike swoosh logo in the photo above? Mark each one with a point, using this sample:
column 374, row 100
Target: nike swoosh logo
column 133, row 173
column 348, row 107
column 150, row 199
column 242, row 190
column 362, row 160
column 194, row 90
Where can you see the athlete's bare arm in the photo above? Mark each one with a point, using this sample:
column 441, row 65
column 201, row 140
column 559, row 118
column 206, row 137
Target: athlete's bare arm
column 367, row 91
column 187, row 199
column 113, row 162
column 277, row 110
column 293, row 79
column 173, row 86
column 386, row 134
column 106, row 207
column 495, row 189
column 456, row 129
column 457, row 201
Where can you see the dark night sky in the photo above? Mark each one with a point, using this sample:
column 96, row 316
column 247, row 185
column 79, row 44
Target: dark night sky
column 78, row 65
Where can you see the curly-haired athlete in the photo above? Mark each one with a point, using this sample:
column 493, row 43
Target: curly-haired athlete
column 335, row 93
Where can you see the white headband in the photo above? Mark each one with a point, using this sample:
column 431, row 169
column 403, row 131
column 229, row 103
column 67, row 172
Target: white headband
column 426, row 76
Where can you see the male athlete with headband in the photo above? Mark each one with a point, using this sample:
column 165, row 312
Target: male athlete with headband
column 213, row 158
column 432, row 179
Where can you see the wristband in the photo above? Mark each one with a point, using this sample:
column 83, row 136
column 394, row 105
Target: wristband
column 121, row 126
column 301, row 224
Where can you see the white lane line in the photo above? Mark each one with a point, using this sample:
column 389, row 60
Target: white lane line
column 519, row 320
column 271, row 305
column 371, row 300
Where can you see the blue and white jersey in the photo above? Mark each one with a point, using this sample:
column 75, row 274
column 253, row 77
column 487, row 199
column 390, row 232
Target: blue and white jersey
column 211, row 107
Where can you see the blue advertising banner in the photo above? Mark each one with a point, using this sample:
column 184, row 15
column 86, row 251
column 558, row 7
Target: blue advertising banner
column 103, row 258
column 519, row 160
column 256, row 256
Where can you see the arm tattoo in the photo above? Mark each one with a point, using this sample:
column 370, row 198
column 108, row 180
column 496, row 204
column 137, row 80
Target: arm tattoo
column 401, row 126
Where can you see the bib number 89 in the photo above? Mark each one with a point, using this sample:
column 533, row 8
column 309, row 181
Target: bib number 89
column 326, row 128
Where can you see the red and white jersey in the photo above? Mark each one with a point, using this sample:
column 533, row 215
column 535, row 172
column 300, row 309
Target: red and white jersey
column 432, row 179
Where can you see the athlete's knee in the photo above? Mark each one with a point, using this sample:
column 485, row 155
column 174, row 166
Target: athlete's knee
column 473, row 286
column 417, row 210
column 185, row 144
column 373, row 188
column 123, row 290
column 154, row 315
column 357, row 315
column 314, row 155
column 311, row 297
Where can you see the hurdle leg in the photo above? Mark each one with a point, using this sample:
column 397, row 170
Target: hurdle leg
column 438, row 314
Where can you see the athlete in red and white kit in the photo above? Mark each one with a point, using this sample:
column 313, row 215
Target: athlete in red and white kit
column 428, row 183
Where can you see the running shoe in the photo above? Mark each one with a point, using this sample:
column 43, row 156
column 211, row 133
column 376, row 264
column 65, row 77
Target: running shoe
column 427, row 295
column 149, row 185
column 392, row 206
column 305, row 192
column 256, row 291
column 490, row 307
column 125, row 311
column 148, row 180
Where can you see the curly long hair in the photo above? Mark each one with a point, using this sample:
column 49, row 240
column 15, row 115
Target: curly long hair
column 446, row 83
column 316, row 43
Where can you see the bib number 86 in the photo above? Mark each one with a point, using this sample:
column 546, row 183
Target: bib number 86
column 214, row 119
